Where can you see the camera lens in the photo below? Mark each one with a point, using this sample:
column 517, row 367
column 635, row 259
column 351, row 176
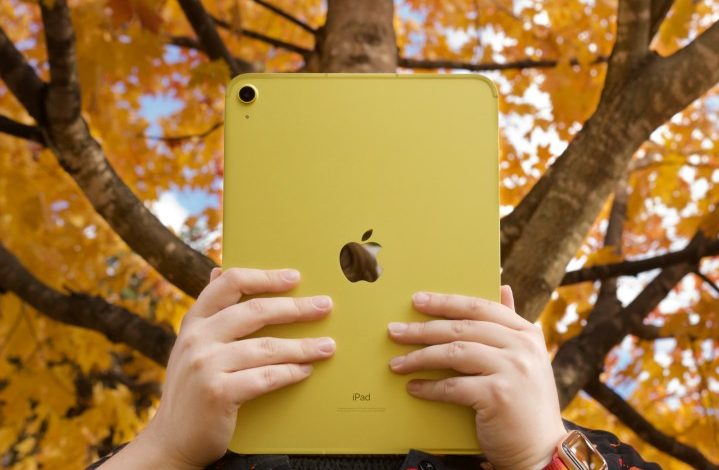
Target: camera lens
column 247, row 94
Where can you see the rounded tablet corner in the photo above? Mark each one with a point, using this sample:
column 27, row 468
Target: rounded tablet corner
column 488, row 81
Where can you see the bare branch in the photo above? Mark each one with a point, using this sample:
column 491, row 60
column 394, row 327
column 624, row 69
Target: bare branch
column 190, row 43
column 708, row 281
column 692, row 253
column 180, row 138
column 211, row 41
column 262, row 37
column 629, row 416
column 115, row 323
column 18, row 129
column 286, row 16
column 411, row 63
column 20, row 78
column 303, row 51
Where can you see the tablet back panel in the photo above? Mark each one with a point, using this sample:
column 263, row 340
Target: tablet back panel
column 315, row 162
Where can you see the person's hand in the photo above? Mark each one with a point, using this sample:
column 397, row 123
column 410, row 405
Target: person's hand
column 507, row 379
column 212, row 372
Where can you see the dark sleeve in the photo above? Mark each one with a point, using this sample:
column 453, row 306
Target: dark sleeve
column 114, row 451
column 619, row 456
column 229, row 462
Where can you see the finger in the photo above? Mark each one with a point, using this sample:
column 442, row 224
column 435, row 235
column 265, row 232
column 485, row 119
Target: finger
column 256, row 352
column 507, row 297
column 215, row 273
column 465, row 391
column 233, row 283
column 244, row 318
column 463, row 356
column 447, row 331
column 251, row 383
column 471, row 308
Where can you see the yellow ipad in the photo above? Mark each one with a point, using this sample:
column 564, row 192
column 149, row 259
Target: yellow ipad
column 374, row 186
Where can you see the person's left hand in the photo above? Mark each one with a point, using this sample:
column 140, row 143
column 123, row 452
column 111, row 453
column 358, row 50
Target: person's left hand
column 507, row 379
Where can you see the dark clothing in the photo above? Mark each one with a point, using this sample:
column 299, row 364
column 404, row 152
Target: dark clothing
column 619, row 456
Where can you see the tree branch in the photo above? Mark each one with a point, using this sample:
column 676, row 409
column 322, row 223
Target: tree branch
column 632, row 43
column 83, row 159
column 286, row 16
column 20, row 78
column 579, row 359
column 115, row 323
column 686, row 75
column 650, row 332
column 406, row 62
column 628, row 49
column 555, row 216
column 211, row 41
column 190, row 43
column 186, row 42
column 180, row 138
column 607, row 301
column 23, row 131
column 261, row 37
column 692, row 253
column 143, row 392
column 411, row 63
column 629, row 416
column 708, row 281
column 660, row 8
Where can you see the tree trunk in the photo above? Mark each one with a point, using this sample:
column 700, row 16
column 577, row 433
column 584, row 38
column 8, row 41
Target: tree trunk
column 358, row 38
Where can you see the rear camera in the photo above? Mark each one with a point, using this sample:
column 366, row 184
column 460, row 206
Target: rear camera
column 247, row 94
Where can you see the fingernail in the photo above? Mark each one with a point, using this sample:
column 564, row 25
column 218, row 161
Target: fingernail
column 397, row 328
column 291, row 275
column 326, row 345
column 396, row 361
column 321, row 301
column 413, row 386
column 420, row 298
column 214, row 272
column 306, row 368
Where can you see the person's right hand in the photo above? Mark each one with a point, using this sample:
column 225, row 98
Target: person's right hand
column 212, row 371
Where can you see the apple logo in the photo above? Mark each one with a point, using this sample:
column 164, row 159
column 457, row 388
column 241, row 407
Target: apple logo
column 359, row 260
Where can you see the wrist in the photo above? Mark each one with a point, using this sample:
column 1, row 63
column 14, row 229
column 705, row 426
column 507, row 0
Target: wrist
column 159, row 446
column 539, row 458
column 146, row 451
